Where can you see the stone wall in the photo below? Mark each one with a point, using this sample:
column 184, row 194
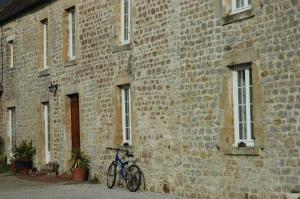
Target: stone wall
column 178, row 67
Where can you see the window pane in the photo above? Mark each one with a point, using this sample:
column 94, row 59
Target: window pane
column 242, row 96
column 241, row 78
column 252, row 130
column 126, row 94
column 45, row 43
column 73, row 34
column 10, row 54
column 125, row 20
column 244, row 102
column 238, row 3
column 127, row 134
column 126, row 113
column 48, row 122
column 251, row 111
column 126, row 108
column 243, row 131
column 250, row 76
column 242, row 113
column 13, row 127
column 127, row 120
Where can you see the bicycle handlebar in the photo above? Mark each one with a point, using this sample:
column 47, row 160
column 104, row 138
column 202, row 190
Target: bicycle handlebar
column 128, row 154
column 117, row 149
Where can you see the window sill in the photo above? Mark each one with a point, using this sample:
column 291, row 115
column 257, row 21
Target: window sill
column 69, row 63
column 246, row 151
column 238, row 17
column 44, row 72
column 241, row 10
column 121, row 48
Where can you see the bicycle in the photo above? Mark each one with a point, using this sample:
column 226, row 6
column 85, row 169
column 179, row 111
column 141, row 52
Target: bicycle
column 128, row 170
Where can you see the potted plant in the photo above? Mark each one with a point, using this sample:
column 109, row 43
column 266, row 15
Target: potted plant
column 52, row 168
column 80, row 165
column 23, row 156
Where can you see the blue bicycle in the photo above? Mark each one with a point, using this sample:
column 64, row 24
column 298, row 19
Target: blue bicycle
column 128, row 170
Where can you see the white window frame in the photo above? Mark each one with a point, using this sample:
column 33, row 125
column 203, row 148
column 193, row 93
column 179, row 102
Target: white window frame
column 45, row 43
column 248, row 141
column 236, row 10
column 12, row 135
column 123, row 40
column 47, row 133
column 123, row 90
column 11, row 49
column 72, row 35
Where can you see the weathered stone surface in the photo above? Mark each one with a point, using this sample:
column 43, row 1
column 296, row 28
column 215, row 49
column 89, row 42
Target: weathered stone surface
column 177, row 65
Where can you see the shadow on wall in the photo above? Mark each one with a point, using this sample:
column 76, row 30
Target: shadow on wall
column 3, row 157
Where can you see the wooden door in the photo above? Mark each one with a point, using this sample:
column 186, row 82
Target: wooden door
column 75, row 127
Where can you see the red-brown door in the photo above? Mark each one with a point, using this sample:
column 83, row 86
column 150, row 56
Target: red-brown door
column 75, row 127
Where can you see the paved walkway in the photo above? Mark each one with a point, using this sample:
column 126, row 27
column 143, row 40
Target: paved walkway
column 12, row 187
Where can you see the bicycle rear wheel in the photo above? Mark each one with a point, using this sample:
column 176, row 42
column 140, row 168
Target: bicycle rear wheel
column 111, row 175
column 133, row 178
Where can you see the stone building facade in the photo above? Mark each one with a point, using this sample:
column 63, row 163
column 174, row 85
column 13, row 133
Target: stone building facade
column 183, row 65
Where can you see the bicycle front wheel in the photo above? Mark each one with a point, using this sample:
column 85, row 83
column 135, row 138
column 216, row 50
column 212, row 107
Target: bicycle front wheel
column 134, row 178
column 111, row 175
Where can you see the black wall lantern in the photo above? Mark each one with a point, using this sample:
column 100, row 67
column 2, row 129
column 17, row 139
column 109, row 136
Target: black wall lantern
column 52, row 88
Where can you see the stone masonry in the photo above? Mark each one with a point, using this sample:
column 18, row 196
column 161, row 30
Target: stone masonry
column 178, row 66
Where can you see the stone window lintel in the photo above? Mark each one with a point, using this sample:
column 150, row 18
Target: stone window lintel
column 10, row 38
column 43, row 15
column 69, row 4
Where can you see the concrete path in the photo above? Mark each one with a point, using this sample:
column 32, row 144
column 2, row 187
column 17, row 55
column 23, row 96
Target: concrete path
column 12, row 187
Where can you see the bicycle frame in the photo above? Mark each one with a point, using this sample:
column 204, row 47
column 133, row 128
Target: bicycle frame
column 127, row 170
column 121, row 165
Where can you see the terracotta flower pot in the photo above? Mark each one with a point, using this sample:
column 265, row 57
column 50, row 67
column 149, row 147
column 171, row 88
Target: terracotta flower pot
column 79, row 174
column 25, row 171
column 13, row 166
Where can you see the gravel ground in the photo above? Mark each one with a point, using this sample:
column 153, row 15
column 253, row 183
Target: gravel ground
column 12, row 187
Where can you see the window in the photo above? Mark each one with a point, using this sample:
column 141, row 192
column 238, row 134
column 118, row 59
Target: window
column 126, row 113
column 47, row 132
column 72, row 34
column 240, row 5
column 125, row 22
column 45, row 43
column 10, row 53
column 243, row 105
column 12, row 127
